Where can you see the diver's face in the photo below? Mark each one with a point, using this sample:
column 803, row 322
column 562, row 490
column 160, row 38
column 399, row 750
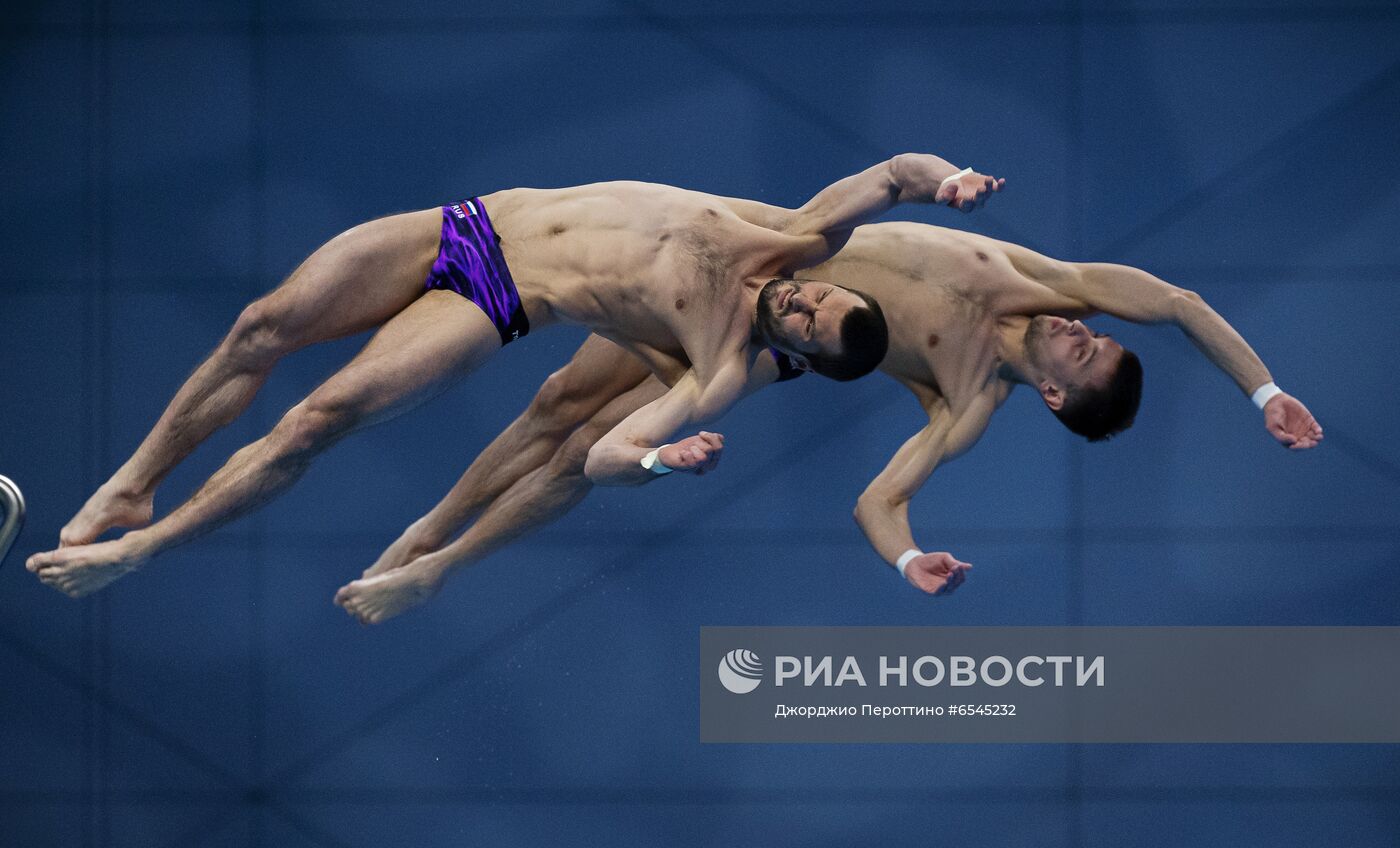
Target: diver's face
column 803, row 317
column 1069, row 354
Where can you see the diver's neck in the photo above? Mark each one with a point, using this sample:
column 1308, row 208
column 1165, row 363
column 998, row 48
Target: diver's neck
column 1013, row 363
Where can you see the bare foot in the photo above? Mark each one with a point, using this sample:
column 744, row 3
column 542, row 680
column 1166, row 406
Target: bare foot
column 109, row 507
column 380, row 598
column 404, row 550
column 83, row 569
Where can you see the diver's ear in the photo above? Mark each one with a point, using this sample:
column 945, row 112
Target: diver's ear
column 799, row 362
column 1052, row 395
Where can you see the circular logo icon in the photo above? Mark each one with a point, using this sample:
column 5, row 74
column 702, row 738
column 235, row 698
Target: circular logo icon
column 740, row 671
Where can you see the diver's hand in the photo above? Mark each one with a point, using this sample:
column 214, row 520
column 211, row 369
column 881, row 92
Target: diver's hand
column 938, row 573
column 696, row 455
column 1290, row 422
column 968, row 191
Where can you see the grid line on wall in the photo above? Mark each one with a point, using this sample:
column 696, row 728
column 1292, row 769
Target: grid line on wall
column 943, row 18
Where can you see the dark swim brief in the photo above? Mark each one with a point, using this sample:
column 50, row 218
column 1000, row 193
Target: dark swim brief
column 470, row 263
column 787, row 368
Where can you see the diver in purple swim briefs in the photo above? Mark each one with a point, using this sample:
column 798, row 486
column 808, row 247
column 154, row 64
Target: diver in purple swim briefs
column 675, row 277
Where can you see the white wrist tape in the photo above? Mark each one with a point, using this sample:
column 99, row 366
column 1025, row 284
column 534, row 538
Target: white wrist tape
column 905, row 558
column 954, row 178
column 1264, row 394
column 653, row 463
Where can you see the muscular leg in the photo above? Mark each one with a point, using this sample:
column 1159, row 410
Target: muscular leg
column 357, row 280
column 598, row 373
column 418, row 354
column 536, row 499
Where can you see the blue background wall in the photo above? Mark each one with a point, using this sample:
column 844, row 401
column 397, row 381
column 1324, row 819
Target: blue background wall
column 163, row 163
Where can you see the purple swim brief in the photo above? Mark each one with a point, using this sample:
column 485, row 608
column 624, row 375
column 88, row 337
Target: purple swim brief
column 470, row 263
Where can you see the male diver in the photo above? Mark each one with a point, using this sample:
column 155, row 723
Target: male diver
column 673, row 276
column 969, row 319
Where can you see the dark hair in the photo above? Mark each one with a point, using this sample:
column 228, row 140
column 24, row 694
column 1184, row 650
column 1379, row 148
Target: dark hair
column 1100, row 413
column 864, row 340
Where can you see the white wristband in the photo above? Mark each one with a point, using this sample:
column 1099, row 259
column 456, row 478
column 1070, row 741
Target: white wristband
column 905, row 557
column 959, row 175
column 652, row 462
column 1264, row 394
